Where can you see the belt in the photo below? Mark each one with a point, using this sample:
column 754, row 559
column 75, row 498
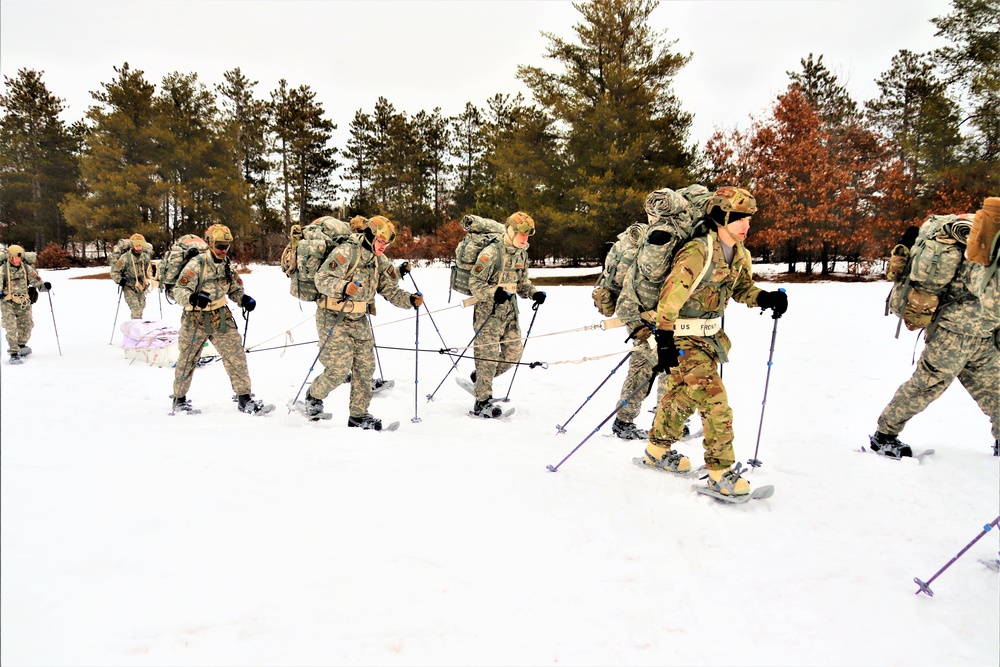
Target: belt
column 697, row 327
column 348, row 306
column 212, row 305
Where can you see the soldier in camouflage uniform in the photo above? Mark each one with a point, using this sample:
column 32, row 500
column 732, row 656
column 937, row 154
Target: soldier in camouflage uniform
column 500, row 272
column 203, row 286
column 963, row 341
column 688, row 321
column 19, row 287
column 353, row 273
column 131, row 272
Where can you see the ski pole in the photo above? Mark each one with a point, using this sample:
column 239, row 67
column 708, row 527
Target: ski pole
column 159, row 299
column 416, row 364
column 925, row 586
column 430, row 396
column 562, row 429
column 246, row 325
column 54, row 327
column 117, row 308
column 378, row 359
column 621, row 404
column 755, row 462
column 513, row 377
column 329, row 337
column 429, row 314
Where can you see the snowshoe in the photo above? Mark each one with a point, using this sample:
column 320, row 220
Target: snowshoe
column 310, row 411
column 381, row 385
column 466, row 385
column 252, row 406
column 628, row 431
column 889, row 446
column 182, row 404
column 487, row 409
column 728, row 482
column 663, row 459
column 15, row 360
column 368, row 422
column 25, row 351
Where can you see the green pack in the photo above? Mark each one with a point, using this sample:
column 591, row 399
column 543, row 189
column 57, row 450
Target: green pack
column 183, row 250
column 921, row 274
column 617, row 263
column 479, row 233
column 307, row 249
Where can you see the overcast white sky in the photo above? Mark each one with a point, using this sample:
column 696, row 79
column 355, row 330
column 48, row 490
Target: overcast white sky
column 421, row 54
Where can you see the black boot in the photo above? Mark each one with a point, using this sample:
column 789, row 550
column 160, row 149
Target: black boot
column 889, row 445
column 487, row 408
column 472, row 376
column 996, row 448
column 628, row 431
column 250, row 406
column 15, row 359
column 314, row 406
column 182, row 404
column 368, row 422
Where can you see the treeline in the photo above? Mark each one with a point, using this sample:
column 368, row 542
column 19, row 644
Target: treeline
column 834, row 178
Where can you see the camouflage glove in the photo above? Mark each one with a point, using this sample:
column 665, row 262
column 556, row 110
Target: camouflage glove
column 666, row 351
column 640, row 333
column 417, row 300
column 32, row 294
column 247, row 303
column 777, row 301
column 501, row 295
column 200, row 300
column 404, row 268
column 350, row 289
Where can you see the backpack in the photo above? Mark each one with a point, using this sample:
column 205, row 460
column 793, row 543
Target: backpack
column 123, row 246
column 674, row 220
column 921, row 274
column 307, row 249
column 29, row 257
column 616, row 266
column 479, row 233
column 169, row 268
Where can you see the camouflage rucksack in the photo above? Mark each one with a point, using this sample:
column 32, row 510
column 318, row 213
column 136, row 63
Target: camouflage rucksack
column 616, row 266
column 184, row 249
column 29, row 257
column 674, row 219
column 921, row 274
column 479, row 233
column 306, row 251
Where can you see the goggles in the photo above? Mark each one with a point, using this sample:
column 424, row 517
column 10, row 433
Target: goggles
column 221, row 246
column 525, row 228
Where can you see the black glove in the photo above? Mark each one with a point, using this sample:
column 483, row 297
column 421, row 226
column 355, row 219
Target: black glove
column 200, row 300
column 538, row 297
column 404, row 268
column 247, row 303
column 777, row 301
column 124, row 281
column 501, row 295
column 32, row 294
column 47, row 286
column 909, row 237
column 666, row 351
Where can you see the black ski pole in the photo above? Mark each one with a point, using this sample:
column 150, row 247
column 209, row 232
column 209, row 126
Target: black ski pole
column 416, row 364
column 513, row 377
column 54, row 327
column 378, row 359
column 562, row 429
column 329, row 337
column 925, row 586
column 621, row 404
column 117, row 308
column 429, row 314
column 755, row 462
column 430, row 396
column 246, row 325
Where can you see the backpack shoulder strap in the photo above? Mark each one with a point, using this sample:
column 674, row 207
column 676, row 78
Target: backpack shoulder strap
column 709, row 252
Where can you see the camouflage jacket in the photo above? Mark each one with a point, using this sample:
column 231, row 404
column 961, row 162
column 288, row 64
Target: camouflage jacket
column 967, row 307
column 204, row 273
column 135, row 268
column 709, row 298
column 500, row 264
column 351, row 262
column 15, row 280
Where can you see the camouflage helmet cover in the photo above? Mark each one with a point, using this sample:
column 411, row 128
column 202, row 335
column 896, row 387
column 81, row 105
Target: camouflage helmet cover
column 521, row 223
column 15, row 251
column 137, row 239
column 732, row 200
column 380, row 227
column 218, row 234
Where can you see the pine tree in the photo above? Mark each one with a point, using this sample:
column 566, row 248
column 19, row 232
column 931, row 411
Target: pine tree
column 38, row 162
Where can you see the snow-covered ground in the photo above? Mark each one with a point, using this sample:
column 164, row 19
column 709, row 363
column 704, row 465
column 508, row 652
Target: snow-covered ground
column 130, row 537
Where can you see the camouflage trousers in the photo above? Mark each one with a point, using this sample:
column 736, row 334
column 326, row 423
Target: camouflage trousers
column 17, row 323
column 947, row 355
column 636, row 386
column 499, row 338
column 218, row 326
column 348, row 349
column 695, row 385
column 136, row 302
